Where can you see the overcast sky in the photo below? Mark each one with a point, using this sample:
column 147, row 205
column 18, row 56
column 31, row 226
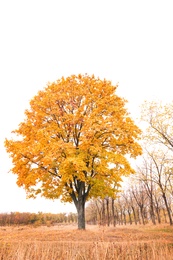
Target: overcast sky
column 130, row 42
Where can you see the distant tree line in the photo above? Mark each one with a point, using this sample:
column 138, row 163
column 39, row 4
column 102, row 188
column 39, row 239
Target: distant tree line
column 140, row 203
column 36, row 219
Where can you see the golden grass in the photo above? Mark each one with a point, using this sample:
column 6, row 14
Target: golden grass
column 98, row 243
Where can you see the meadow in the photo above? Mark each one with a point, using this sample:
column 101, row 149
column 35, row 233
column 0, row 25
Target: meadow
column 65, row 242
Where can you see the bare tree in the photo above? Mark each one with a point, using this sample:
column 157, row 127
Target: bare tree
column 161, row 176
column 140, row 197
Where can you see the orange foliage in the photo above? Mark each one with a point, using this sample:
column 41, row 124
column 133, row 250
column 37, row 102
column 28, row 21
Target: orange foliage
column 75, row 129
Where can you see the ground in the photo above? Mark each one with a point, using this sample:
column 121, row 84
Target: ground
column 65, row 242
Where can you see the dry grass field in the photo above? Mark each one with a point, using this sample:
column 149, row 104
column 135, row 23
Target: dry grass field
column 99, row 243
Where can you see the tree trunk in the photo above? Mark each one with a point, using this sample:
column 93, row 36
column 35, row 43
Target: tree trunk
column 142, row 215
column 130, row 218
column 124, row 217
column 113, row 213
column 139, row 218
column 80, row 201
column 152, row 213
column 158, row 215
column 103, row 222
column 134, row 215
column 107, row 209
column 168, row 209
column 157, row 209
column 121, row 216
column 99, row 213
column 81, row 214
column 164, row 214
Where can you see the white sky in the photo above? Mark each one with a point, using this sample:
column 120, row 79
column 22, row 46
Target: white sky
column 130, row 42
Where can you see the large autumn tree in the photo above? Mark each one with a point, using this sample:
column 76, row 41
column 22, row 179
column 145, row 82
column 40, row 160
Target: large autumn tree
column 73, row 142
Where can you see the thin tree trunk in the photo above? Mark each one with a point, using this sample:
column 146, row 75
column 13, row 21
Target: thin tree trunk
column 130, row 218
column 157, row 209
column 134, row 215
column 107, row 209
column 139, row 218
column 168, row 209
column 142, row 215
column 152, row 213
column 113, row 213
column 158, row 215
column 103, row 213
column 121, row 216
column 164, row 214
column 124, row 217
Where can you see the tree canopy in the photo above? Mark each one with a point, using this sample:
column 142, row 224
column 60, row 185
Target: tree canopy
column 158, row 117
column 74, row 140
